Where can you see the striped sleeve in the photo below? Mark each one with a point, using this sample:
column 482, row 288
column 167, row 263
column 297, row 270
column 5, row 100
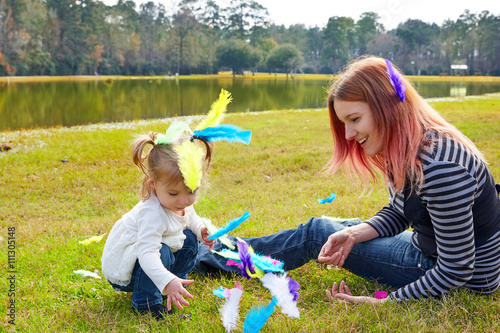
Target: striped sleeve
column 390, row 221
column 448, row 192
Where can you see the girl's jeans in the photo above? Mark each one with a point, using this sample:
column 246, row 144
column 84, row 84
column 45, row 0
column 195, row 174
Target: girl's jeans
column 145, row 294
column 393, row 261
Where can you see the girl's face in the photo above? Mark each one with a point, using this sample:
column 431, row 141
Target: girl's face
column 359, row 125
column 175, row 197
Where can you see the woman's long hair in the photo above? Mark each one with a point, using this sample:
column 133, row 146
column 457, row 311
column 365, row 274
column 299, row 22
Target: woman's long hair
column 402, row 125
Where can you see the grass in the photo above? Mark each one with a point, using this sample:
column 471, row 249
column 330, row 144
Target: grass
column 277, row 178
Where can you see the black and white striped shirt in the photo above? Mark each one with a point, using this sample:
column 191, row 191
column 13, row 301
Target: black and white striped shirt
column 454, row 180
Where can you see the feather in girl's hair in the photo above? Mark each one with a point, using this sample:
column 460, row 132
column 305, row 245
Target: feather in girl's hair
column 224, row 132
column 279, row 286
column 229, row 310
column 257, row 317
column 217, row 111
column 173, row 133
column 230, row 226
column 191, row 163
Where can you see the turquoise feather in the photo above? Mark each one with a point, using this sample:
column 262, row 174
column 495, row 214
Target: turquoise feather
column 258, row 316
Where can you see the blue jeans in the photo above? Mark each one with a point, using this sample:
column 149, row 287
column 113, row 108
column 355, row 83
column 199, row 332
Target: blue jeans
column 145, row 294
column 393, row 261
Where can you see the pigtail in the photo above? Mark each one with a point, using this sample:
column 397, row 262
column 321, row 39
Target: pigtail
column 208, row 148
column 139, row 157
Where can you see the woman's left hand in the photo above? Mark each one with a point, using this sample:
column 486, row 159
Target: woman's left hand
column 342, row 292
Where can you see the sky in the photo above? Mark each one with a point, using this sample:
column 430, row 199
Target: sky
column 392, row 12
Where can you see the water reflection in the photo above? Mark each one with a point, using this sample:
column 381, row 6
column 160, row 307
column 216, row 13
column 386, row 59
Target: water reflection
column 48, row 104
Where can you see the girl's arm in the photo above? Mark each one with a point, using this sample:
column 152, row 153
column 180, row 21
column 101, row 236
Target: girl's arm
column 149, row 238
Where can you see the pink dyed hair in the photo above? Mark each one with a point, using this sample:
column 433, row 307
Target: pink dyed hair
column 403, row 125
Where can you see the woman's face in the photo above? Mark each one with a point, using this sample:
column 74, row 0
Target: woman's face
column 359, row 125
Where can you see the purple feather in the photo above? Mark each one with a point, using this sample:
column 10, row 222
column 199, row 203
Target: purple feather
column 293, row 286
column 397, row 82
column 246, row 259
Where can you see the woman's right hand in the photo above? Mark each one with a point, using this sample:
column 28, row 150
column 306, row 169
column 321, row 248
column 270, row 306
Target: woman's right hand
column 337, row 248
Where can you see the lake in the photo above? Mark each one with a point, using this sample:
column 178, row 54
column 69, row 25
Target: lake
column 50, row 104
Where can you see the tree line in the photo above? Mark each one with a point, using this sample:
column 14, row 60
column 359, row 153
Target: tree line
column 87, row 37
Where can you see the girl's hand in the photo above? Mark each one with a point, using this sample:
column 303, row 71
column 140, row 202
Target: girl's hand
column 343, row 293
column 206, row 241
column 175, row 292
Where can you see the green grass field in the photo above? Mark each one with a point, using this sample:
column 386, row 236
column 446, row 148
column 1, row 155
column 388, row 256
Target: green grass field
column 48, row 206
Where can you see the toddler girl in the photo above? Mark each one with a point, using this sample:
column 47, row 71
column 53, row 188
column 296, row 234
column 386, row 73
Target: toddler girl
column 152, row 248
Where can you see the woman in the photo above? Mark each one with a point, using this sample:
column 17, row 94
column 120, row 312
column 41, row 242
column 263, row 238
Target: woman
column 439, row 185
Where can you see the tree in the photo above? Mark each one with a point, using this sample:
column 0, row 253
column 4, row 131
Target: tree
column 7, row 40
column 244, row 16
column 488, row 44
column 286, row 58
column 237, row 55
column 72, row 38
column 152, row 24
column 338, row 37
column 367, row 28
column 183, row 24
column 417, row 49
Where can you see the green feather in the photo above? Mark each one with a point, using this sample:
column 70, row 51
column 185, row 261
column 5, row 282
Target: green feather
column 191, row 163
column 217, row 111
column 173, row 133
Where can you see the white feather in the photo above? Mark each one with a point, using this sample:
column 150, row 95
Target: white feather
column 278, row 286
column 229, row 311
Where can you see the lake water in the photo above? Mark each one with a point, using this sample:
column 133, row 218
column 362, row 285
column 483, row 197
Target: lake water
column 49, row 104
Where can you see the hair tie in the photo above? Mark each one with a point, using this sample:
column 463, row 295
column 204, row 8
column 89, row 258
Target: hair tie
column 397, row 82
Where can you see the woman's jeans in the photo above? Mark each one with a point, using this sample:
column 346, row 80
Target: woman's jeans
column 393, row 261
column 145, row 294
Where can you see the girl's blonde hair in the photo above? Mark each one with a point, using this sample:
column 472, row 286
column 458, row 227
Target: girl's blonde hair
column 402, row 125
column 159, row 164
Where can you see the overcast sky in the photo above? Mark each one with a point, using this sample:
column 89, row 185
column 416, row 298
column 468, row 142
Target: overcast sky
column 392, row 12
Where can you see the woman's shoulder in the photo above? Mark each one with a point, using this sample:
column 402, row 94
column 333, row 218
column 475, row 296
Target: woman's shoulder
column 443, row 148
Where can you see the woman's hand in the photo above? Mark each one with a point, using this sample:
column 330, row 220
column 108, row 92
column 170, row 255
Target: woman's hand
column 343, row 293
column 337, row 248
column 206, row 241
column 175, row 291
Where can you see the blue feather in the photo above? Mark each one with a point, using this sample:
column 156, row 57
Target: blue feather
column 229, row 133
column 267, row 264
column 329, row 199
column 230, row 226
column 258, row 316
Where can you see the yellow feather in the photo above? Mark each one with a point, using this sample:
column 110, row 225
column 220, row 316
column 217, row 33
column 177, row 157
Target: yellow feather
column 191, row 163
column 217, row 111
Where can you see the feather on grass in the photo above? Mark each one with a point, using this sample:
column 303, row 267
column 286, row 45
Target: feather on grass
column 229, row 310
column 279, row 286
column 257, row 317
column 329, row 199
